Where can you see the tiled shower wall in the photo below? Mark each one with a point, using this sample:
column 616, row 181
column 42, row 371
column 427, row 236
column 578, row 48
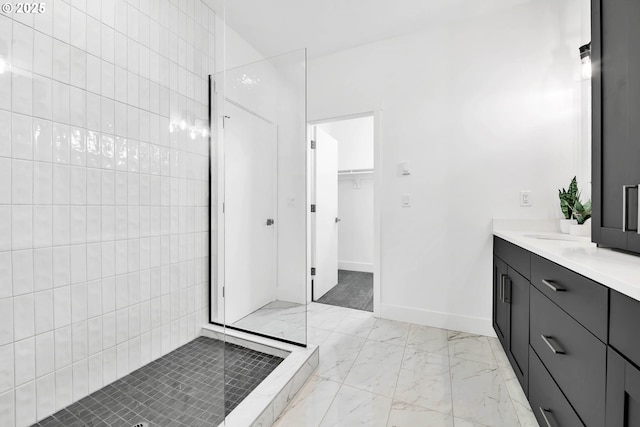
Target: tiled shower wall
column 103, row 194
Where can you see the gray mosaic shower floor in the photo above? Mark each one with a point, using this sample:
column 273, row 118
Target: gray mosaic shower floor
column 182, row 388
column 354, row 290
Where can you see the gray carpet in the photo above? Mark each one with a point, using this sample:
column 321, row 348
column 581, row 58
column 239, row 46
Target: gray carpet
column 354, row 290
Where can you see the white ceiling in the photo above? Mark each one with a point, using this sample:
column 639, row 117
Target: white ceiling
column 326, row 26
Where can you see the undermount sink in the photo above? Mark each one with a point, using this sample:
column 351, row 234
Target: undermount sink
column 558, row 236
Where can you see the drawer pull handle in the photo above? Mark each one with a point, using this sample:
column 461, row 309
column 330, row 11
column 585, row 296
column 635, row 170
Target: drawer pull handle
column 544, row 416
column 548, row 343
column 551, row 285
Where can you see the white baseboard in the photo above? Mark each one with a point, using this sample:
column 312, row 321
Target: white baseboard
column 364, row 267
column 456, row 322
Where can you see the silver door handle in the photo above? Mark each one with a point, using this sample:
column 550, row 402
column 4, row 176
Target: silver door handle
column 338, row 220
column 548, row 343
column 551, row 285
column 544, row 416
column 625, row 191
column 270, row 221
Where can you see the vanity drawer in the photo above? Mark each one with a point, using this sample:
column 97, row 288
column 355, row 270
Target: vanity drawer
column 623, row 330
column 585, row 300
column 574, row 357
column 516, row 257
column 546, row 399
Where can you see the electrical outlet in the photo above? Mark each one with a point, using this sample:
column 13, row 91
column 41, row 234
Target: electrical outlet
column 525, row 198
column 406, row 201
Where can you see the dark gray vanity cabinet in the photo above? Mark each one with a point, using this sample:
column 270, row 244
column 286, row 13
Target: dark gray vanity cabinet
column 511, row 268
column 623, row 392
column 615, row 53
column 623, row 374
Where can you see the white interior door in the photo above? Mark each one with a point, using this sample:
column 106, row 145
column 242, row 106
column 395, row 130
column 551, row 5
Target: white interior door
column 250, row 201
column 326, row 226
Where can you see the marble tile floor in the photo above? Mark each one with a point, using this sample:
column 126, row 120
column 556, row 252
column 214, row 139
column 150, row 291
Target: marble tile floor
column 279, row 319
column 376, row 372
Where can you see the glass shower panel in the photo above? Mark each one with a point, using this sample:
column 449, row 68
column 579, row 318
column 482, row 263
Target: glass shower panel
column 263, row 109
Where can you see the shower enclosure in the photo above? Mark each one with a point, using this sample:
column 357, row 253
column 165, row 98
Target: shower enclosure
column 259, row 198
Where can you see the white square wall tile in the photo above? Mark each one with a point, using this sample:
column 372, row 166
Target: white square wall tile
column 61, row 184
column 22, row 270
column 25, row 361
column 78, row 302
column 62, row 307
column 43, row 303
column 45, row 396
column 5, row 126
column 22, row 49
column 42, row 226
column 22, row 137
column 78, row 68
column 6, row 368
column 61, row 61
column 78, row 187
column 61, row 225
column 6, row 285
column 5, row 181
column 7, row 408
column 45, row 362
column 94, row 298
column 61, row 266
column 42, row 269
column 94, row 227
column 78, row 146
column 6, row 321
column 94, row 262
column 95, row 372
column 63, row 347
column 78, row 29
column 22, row 227
column 64, row 388
column 42, row 54
column 23, row 317
column 60, row 138
column 22, row 182
column 61, row 20
column 5, row 228
column 43, row 182
column 42, row 97
column 78, row 226
column 80, row 342
column 94, row 335
column 26, row 404
column 80, row 378
column 60, row 102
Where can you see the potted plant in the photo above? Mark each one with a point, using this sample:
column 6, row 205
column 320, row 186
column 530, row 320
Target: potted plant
column 581, row 213
column 568, row 199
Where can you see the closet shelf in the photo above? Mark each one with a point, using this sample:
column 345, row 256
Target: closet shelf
column 354, row 171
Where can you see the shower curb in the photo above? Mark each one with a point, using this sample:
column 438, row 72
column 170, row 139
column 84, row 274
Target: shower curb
column 267, row 401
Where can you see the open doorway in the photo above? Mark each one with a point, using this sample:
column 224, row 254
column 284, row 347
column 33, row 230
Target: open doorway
column 342, row 241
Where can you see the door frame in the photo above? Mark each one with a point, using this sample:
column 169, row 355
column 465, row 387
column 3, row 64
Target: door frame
column 377, row 201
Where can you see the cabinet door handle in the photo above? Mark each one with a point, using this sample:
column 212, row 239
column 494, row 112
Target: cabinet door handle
column 501, row 292
column 507, row 289
column 544, row 416
column 551, row 346
column 553, row 286
column 625, row 191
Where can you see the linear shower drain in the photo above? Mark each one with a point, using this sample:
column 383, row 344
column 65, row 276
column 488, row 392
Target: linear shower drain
column 141, row 425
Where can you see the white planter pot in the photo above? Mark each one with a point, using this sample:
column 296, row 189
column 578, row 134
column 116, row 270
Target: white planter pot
column 580, row 230
column 565, row 223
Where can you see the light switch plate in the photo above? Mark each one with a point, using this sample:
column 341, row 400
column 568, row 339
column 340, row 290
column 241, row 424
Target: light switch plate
column 525, row 198
column 406, row 200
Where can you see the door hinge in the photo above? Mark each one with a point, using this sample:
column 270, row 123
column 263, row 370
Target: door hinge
column 313, row 208
column 313, row 144
column 313, row 271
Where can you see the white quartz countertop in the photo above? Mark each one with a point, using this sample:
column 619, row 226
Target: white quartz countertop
column 613, row 269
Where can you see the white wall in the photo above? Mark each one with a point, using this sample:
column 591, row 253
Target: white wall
column 355, row 192
column 482, row 108
column 355, row 142
column 103, row 209
column 355, row 231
